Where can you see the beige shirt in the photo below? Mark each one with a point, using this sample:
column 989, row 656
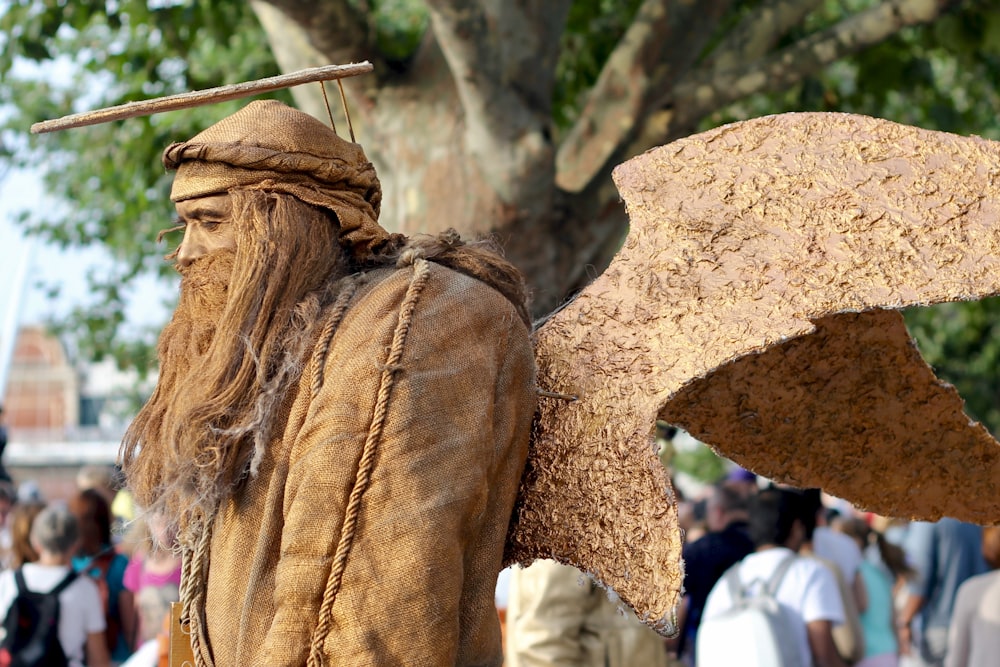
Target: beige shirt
column 558, row 617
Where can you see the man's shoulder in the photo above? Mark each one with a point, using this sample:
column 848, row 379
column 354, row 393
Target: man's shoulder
column 768, row 559
column 811, row 567
column 447, row 296
column 761, row 565
column 839, row 548
column 826, row 536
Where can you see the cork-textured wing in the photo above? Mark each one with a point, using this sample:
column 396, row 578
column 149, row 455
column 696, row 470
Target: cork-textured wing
column 753, row 305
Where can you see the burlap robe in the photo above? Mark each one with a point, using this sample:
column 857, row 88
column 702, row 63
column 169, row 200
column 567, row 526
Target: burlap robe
column 422, row 413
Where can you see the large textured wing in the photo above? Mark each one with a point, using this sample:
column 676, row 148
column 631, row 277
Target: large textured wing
column 753, row 304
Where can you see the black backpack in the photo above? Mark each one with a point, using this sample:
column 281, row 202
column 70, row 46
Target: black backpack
column 32, row 627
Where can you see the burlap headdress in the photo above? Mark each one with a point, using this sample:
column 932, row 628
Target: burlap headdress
column 270, row 146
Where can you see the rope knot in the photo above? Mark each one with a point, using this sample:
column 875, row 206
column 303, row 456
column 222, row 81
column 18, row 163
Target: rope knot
column 409, row 256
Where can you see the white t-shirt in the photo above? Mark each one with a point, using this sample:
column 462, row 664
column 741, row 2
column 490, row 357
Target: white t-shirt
column 81, row 611
column 808, row 591
column 839, row 548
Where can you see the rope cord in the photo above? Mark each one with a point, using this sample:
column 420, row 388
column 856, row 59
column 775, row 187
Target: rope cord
column 421, row 273
column 194, row 579
column 323, row 344
column 194, row 564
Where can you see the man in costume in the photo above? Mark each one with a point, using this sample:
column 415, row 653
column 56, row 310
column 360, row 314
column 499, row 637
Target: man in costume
column 342, row 415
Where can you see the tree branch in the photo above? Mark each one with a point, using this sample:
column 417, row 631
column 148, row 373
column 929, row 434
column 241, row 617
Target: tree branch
column 502, row 57
column 502, row 53
column 294, row 49
column 758, row 32
column 657, row 49
column 333, row 28
column 709, row 90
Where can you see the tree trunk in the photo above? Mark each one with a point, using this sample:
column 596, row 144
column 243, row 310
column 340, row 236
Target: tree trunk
column 462, row 135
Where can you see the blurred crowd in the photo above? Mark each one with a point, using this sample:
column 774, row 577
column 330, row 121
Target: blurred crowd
column 115, row 611
column 853, row 588
column 856, row 588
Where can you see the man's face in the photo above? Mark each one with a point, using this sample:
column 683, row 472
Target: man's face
column 207, row 227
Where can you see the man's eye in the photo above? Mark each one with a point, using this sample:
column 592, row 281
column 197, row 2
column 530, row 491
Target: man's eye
column 209, row 225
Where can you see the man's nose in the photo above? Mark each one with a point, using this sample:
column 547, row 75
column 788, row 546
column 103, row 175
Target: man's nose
column 191, row 247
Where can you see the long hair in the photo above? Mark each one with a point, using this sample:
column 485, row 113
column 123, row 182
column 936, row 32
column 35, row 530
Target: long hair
column 93, row 515
column 238, row 340
column 233, row 350
column 892, row 556
column 21, row 517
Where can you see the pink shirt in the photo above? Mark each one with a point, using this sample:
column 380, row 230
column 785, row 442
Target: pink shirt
column 137, row 578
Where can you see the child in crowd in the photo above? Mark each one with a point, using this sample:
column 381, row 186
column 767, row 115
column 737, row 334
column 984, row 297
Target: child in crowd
column 98, row 558
column 154, row 576
column 878, row 620
column 54, row 535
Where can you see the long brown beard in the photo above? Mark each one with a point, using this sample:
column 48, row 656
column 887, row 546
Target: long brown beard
column 232, row 352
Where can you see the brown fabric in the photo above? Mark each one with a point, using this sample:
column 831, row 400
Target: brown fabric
column 481, row 260
column 419, row 580
column 743, row 307
column 270, row 146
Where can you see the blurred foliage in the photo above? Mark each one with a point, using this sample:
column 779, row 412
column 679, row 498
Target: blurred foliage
column 692, row 458
column 943, row 76
column 593, row 29
column 701, row 462
column 107, row 186
column 961, row 341
column 106, row 182
column 398, row 25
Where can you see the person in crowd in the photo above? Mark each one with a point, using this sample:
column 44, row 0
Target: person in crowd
column 100, row 478
column 691, row 517
column 106, row 480
column 944, row 554
column 834, row 546
column 500, row 597
column 154, row 576
column 97, row 558
column 807, row 592
column 123, row 511
column 878, row 620
column 8, row 499
column 29, row 491
column 54, row 534
column 742, row 480
column 842, row 556
column 4, row 475
column 974, row 634
column 556, row 615
column 705, row 560
column 21, row 518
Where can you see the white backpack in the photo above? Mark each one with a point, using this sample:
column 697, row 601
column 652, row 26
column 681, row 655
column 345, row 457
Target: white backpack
column 754, row 632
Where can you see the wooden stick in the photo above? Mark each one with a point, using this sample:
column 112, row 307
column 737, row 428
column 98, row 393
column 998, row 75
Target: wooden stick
column 201, row 97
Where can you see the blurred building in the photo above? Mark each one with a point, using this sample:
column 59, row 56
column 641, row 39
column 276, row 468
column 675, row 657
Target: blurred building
column 42, row 400
column 60, row 415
